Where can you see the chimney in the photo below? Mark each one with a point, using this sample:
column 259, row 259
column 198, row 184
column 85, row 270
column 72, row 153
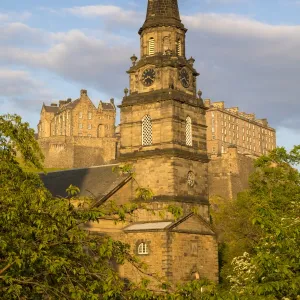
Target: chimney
column 207, row 103
column 53, row 104
column 112, row 101
column 69, row 100
column 83, row 93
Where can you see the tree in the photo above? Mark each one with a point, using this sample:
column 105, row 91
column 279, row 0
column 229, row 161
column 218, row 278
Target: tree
column 265, row 222
column 44, row 254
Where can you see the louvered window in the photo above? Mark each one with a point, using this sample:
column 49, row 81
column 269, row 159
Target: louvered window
column 188, row 132
column 146, row 131
column 179, row 48
column 151, row 46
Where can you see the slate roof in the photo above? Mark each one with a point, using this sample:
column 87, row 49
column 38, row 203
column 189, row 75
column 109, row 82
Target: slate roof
column 107, row 106
column 95, row 182
column 148, row 226
column 53, row 109
column 69, row 105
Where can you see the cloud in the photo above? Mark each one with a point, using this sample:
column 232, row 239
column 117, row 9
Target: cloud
column 19, row 34
column 77, row 57
column 16, row 85
column 22, row 94
column 243, row 62
column 248, row 64
column 109, row 13
column 14, row 17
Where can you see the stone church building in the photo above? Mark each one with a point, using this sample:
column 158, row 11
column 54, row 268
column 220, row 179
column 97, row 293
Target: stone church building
column 163, row 136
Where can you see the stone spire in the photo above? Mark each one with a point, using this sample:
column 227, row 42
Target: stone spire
column 162, row 13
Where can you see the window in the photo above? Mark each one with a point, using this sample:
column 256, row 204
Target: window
column 151, row 46
column 90, row 116
column 188, row 132
column 213, row 137
column 179, row 47
column 80, row 115
column 67, row 115
column 213, row 129
column 80, row 126
column 143, row 249
column 89, row 126
column 146, row 131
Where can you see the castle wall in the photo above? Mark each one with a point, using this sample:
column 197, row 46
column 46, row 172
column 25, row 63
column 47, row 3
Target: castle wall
column 77, row 152
column 229, row 173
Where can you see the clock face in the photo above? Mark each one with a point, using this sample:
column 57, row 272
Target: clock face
column 148, row 77
column 184, row 78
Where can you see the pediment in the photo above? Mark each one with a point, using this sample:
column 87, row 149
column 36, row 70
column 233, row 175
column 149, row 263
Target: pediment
column 192, row 224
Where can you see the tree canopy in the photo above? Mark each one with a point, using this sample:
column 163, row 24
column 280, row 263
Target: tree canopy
column 261, row 230
column 45, row 253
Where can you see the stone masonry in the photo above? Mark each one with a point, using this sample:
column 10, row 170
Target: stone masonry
column 76, row 134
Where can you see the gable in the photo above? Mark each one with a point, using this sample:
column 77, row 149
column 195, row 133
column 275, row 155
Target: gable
column 192, row 224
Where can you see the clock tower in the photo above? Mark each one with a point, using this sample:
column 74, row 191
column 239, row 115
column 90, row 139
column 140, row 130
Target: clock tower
column 163, row 127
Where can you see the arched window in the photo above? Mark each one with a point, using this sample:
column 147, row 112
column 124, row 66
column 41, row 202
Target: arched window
column 143, row 249
column 188, row 132
column 146, row 131
column 151, row 46
column 179, row 47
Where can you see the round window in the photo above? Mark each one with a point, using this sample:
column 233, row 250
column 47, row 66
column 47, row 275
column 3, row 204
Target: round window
column 191, row 179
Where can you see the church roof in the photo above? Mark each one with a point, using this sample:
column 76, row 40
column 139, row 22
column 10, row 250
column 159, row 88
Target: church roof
column 162, row 13
column 94, row 182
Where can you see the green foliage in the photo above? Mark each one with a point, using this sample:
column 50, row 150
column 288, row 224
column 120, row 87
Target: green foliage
column 264, row 223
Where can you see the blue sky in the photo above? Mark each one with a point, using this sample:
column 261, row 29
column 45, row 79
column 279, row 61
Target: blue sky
column 247, row 52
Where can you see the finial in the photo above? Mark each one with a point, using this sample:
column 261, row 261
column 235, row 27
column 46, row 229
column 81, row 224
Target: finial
column 126, row 91
column 133, row 59
column 191, row 61
column 199, row 94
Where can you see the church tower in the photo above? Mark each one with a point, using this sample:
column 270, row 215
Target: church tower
column 163, row 128
column 163, row 135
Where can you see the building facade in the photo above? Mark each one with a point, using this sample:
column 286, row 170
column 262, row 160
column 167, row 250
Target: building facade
column 75, row 134
column 229, row 127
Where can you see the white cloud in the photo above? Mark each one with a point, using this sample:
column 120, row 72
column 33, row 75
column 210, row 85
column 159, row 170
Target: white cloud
column 19, row 34
column 108, row 12
column 14, row 17
column 244, row 62
column 248, row 64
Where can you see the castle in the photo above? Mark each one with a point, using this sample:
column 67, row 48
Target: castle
column 163, row 134
column 76, row 134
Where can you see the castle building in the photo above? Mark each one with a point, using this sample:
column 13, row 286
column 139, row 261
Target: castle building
column 229, row 127
column 76, row 134
column 163, row 137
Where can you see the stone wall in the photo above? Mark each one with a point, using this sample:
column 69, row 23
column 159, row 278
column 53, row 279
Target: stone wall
column 228, row 174
column 77, row 152
column 197, row 253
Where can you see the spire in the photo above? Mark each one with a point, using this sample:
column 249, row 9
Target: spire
column 162, row 13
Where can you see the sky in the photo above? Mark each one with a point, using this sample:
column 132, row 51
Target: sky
column 247, row 52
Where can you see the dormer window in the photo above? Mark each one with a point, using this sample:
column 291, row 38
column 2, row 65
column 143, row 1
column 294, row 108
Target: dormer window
column 80, row 115
column 151, row 50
